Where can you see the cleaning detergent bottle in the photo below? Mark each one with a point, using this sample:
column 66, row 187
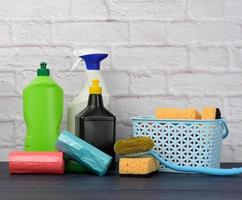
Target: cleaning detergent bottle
column 93, row 71
column 95, row 124
column 43, row 109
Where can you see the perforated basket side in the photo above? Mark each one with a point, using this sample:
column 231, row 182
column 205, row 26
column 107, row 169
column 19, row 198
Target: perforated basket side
column 187, row 143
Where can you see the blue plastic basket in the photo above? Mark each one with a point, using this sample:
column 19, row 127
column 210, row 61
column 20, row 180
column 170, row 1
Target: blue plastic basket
column 184, row 142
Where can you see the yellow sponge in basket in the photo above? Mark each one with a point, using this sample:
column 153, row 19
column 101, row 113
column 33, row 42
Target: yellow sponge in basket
column 191, row 113
column 138, row 165
column 211, row 113
column 177, row 113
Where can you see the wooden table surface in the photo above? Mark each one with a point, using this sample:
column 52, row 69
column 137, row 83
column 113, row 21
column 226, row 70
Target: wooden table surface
column 112, row 186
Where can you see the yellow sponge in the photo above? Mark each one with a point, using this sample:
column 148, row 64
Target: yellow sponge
column 177, row 113
column 191, row 113
column 138, row 165
column 211, row 113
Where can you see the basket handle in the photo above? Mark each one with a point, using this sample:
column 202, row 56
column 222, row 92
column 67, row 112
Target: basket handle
column 225, row 128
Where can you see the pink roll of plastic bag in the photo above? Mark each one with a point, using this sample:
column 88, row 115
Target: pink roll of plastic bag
column 36, row 163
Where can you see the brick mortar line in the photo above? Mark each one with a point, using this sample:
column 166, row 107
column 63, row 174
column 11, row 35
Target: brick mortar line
column 130, row 45
column 78, row 19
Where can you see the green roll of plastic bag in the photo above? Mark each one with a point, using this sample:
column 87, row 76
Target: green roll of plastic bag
column 74, row 167
column 43, row 110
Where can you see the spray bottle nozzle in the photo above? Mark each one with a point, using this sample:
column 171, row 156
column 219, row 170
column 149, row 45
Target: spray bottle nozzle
column 93, row 60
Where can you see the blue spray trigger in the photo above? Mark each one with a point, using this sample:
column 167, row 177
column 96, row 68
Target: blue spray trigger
column 93, row 60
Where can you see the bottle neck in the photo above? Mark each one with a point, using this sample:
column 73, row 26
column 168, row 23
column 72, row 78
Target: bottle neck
column 94, row 74
column 95, row 100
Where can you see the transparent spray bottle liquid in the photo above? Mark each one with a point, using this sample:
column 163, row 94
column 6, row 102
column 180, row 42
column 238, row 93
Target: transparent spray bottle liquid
column 92, row 61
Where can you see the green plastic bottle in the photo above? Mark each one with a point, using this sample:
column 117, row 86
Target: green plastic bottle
column 43, row 110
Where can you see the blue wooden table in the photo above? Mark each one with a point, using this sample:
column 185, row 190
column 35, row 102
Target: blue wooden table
column 112, row 186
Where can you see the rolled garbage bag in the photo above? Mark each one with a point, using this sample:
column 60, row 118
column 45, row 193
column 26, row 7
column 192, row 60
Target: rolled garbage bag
column 84, row 153
column 36, row 162
column 72, row 166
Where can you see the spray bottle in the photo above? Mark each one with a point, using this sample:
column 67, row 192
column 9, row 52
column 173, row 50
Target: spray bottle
column 92, row 61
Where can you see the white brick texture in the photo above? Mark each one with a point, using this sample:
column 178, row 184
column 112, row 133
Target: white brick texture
column 89, row 10
column 5, row 36
column 233, row 9
column 174, row 53
column 81, row 32
column 140, row 32
column 209, row 58
column 31, row 33
column 151, row 10
column 204, row 32
column 207, row 84
column 206, row 8
column 148, row 58
column 34, row 9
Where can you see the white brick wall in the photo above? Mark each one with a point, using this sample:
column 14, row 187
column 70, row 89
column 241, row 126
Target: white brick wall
column 173, row 53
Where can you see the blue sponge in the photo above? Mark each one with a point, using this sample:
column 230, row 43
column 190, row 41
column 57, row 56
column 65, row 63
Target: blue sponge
column 84, row 153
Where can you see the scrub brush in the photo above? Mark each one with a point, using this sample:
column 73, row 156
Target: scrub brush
column 139, row 147
column 134, row 144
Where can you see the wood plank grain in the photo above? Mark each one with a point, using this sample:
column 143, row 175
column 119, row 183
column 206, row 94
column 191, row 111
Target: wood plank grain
column 112, row 186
